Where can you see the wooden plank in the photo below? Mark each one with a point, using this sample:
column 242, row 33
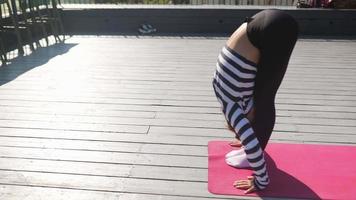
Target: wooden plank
column 168, row 108
column 316, row 108
column 104, row 169
column 67, row 144
column 107, row 184
column 207, row 92
column 282, row 97
column 285, row 128
column 164, row 149
column 17, row 192
column 347, row 86
column 76, row 112
column 57, row 125
column 101, row 136
column 53, row 112
column 317, row 121
column 323, row 138
column 66, row 167
column 186, row 100
column 140, row 125
column 131, row 76
column 152, row 95
column 104, row 146
column 121, row 107
column 317, row 114
column 144, row 148
column 105, row 157
column 163, row 103
column 178, row 136
column 280, row 113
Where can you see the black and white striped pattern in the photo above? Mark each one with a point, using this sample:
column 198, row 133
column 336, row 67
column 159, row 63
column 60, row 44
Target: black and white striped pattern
column 233, row 83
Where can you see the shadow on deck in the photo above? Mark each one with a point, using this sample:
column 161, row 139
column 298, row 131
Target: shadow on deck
column 20, row 65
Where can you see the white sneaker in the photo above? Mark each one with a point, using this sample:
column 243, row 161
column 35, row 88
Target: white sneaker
column 238, row 161
column 235, row 153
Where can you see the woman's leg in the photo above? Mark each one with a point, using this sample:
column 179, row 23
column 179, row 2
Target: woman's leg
column 267, row 38
column 240, row 43
column 274, row 33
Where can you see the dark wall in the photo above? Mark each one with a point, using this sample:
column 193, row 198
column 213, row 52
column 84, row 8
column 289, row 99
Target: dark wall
column 314, row 22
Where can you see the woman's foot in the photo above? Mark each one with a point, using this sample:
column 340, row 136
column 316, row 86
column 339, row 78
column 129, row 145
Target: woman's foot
column 239, row 160
column 236, row 143
column 235, row 153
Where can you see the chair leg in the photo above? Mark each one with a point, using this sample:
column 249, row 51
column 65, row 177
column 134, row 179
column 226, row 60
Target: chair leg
column 23, row 7
column 3, row 53
column 4, row 59
column 60, row 23
column 30, row 38
column 17, row 32
column 35, row 10
column 57, row 17
column 43, row 27
column 53, row 25
column 19, row 42
column 45, row 34
column 43, row 30
column 54, row 28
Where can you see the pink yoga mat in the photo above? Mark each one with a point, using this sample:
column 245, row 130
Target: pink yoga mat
column 304, row 171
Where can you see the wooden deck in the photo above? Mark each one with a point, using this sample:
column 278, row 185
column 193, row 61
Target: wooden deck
column 130, row 118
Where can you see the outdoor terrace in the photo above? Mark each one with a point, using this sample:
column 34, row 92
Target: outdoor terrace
column 126, row 117
column 112, row 114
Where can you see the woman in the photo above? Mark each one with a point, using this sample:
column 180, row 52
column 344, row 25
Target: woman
column 249, row 72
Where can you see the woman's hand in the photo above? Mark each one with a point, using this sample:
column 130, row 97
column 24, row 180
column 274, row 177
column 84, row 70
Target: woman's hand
column 247, row 185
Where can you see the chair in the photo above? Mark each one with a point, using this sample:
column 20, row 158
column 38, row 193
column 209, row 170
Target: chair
column 37, row 27
column 9, row 29
column 47, row 12
column 3, row 57
column 26, row 28
column 56, row 15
